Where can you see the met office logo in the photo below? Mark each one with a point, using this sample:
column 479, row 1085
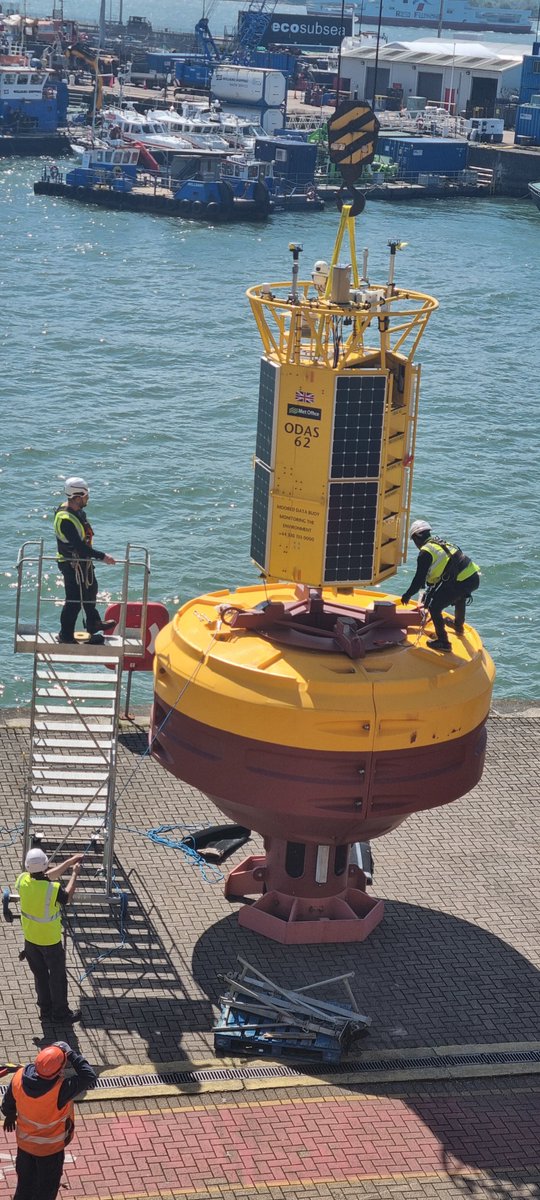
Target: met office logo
column 309, row 28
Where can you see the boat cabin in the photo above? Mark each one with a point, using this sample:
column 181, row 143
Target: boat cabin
column 98, row 156
column 18, row 83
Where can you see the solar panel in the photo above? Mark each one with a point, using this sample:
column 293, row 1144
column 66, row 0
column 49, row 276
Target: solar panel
column 358, row 425
column 350, row 542
column 265, row 419
column 259, row 520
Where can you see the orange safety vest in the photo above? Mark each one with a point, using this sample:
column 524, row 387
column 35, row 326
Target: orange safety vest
column 42, row 1127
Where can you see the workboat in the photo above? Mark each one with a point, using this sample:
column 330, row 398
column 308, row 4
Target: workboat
column 201, row 133
column 33, row 106
column 534, row 190
column 128, row 126
column 208, row 190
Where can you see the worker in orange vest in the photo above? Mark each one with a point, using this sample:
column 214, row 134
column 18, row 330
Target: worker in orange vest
column 38, row 1105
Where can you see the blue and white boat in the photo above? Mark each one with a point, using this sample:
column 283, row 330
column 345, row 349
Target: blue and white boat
column 33, row 107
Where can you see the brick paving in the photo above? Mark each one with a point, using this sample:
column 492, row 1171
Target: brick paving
column 454, row 962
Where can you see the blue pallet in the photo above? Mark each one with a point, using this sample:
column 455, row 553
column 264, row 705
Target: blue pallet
column 254, row 1043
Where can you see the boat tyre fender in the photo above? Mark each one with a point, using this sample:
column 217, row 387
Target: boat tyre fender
column 227, row 198
column 185, row 207
column 215, row 211
column 198, row 208
column 261, row 197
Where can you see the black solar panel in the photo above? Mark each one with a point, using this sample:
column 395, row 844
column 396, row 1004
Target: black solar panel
column 358, row 425
column 265, row 419
column 259, row 520
column 350, row 540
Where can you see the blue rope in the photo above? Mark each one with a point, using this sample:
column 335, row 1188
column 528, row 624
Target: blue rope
column 13, row 834
column 209, row 872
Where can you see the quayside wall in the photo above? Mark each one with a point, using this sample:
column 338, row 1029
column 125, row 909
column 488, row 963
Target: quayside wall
column 513, row 166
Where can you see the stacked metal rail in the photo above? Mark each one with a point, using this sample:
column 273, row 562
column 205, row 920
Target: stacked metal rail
column 258, row 1017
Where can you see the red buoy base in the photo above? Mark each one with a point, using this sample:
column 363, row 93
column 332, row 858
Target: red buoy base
column 309, row 918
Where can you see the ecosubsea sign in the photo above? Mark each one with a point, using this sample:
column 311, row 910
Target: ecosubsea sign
column 287, row 29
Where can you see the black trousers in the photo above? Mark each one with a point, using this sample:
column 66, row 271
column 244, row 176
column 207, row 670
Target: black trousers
column 78, row 595
column 445, row 594
column 38, row 1176
column 48, row 966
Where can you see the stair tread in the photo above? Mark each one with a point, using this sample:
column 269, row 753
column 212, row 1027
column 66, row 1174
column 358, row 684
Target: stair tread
column 94, row 711
column 76, row 742
column 40, row 773
column 75, row 727
column 77, row 676
column 77, row 693
column 46, row 789
column 89, row 822
column 60, row 806
column 65, row 759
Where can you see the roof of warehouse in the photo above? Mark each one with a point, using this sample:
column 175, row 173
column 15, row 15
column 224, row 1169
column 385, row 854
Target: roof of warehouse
column 441, row 53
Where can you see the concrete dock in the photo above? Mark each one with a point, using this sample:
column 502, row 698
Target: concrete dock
column 441, row 1099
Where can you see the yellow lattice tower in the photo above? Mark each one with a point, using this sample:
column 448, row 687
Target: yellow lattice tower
column 337, row 421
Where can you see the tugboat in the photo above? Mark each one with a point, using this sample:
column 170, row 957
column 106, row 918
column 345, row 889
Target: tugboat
column 308, row 706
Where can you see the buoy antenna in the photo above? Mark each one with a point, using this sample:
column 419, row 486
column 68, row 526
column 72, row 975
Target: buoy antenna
column 296, row 251
column 394, row 247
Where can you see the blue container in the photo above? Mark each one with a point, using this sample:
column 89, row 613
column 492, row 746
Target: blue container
column 530, row 78
column 294, row 161
column 161, row 62
column 437, row 156
column 528, row 124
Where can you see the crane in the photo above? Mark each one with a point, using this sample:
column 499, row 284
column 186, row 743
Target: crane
column 250, row 31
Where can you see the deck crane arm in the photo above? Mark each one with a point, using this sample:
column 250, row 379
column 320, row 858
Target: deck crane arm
column 91, row 60
column 205, row 42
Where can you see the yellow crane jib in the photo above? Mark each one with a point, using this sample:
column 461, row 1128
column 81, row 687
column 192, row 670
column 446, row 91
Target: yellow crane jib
column 337, row 419
column 91, row 60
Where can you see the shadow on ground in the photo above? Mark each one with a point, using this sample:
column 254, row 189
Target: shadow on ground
column 129, row 980
column 427, row 979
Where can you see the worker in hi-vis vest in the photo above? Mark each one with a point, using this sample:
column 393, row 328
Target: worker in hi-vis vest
column 42, row 898
column 74, row 536
column 450, row 576
column 38, row 1105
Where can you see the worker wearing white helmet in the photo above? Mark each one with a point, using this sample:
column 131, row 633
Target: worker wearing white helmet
column 42, row 899
column 451, row 578
column 74, row 537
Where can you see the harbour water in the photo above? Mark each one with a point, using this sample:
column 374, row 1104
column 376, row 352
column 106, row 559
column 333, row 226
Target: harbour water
column 129, row 355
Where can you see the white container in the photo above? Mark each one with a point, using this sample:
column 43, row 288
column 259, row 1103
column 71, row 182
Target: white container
column 249, row 85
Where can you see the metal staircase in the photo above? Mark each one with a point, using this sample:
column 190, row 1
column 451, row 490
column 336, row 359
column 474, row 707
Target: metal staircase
column 74, row 718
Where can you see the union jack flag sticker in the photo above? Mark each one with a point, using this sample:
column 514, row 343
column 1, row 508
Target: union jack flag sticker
column 305, row 397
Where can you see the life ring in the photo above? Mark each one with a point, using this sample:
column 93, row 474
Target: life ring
column 420, row 123
column 117, row 172
column 310, row 193
column 54, row 173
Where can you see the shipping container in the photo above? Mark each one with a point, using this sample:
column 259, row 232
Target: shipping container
column 434, row 156
column 528, row 125
column 294, row 160
column 530, row 76
column 249, row 85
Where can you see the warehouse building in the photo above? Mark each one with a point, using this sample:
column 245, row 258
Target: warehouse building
column 461, row 76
